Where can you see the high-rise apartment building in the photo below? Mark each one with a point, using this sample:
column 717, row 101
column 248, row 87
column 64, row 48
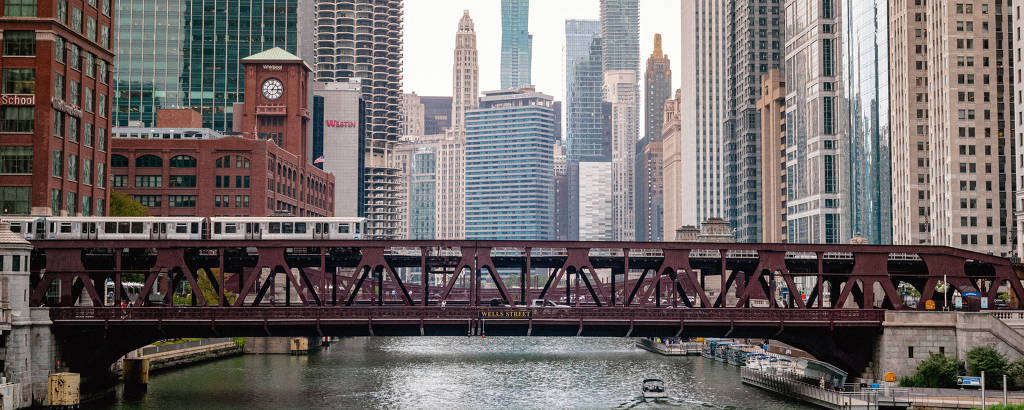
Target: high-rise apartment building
column 363, row 39
column 755, row 46
column 516, row 43
column 672, row 168
column 908, row 113
column 970, row 125
column 411, row 115
column 595, row 202
column 586, row 137
column 1017, row 183
column 465, row 72
column 177, row 54
column 772, row 110
column 620, row 92
column 704, row 111
column 648, row 193
column 510, row 166
column 56, row 70
column 620, row 34
column 816, row 133
column 337, row 141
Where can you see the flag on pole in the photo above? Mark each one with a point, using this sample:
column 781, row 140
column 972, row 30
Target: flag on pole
column 319, row 160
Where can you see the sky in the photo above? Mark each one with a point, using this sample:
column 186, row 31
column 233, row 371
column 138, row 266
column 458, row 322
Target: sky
column 429, row 41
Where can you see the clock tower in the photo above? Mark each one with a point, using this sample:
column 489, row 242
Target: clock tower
column 276, row 95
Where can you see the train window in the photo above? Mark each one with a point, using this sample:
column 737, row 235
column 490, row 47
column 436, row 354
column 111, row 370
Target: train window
column 342, row 228
column 216, row 227
column 275, row 227
column 136, row 227
column 287, row 227
column 358, row 224
column 181, row 228
column 230, row 228
column 65, row 227
column 300, row 227
column 16, row 227
column 195, row 227
column 110, row 227
column 123, row 227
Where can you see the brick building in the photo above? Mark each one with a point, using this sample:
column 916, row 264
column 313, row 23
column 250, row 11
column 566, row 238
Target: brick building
column 53, row 157
column 257, row 173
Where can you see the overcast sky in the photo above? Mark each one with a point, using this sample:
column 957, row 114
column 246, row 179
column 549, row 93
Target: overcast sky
column 430, row 27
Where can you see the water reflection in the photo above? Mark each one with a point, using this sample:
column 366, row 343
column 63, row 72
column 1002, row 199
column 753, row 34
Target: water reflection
column 454, row 372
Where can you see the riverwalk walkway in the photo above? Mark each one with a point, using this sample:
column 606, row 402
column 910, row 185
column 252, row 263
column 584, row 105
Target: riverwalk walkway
column 670, row 349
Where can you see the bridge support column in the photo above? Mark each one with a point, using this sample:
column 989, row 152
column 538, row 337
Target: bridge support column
column 136, row 375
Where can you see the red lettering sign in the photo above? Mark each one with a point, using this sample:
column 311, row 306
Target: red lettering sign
column 339, row 124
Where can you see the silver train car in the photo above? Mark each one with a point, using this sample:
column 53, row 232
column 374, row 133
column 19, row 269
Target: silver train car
column 185, row 228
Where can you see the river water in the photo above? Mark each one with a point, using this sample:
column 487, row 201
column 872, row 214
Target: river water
column 454, row 372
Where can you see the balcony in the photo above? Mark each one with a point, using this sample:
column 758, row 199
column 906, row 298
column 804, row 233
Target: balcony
column 271, row 109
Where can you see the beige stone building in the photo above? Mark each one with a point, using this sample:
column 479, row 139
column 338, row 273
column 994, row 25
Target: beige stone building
column 772, row 107
column 672, row 168
column 465, row 73
column 411, row 115
column 620, row 91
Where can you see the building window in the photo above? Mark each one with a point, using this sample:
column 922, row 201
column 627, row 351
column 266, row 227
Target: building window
column 101, row 176
column 19, row 43
column 106, row 7
column 101, row 106
column 148, row 200
column 17, row 119
column 181, row 201
column 69, row 203
column 58, row 49
column 72, row 174
column 223, row 162
column 90, row 28
column 183, row 161
column 76, row 19
column 828, row 116
column 118, row 161
column 55, row 201
column 73, row 128
column 118, row 181
column 101, row 207
column 73, row 54
column 183, row 181
column 62, row 11
column 831, row 228
column 19, row 81
column 103, row 70
column 86, row 205
column 88, row 100
column 75, row 93
column 241, row 162
column 910, row 352
column 241, row 182
column 16, row 200
column 20, row 8
column 149, row 161
column 87, row 135
column 148, row 181
column 15, row 159
column 86, row 171
column 58, row 85
column 58, row 164
column 101, row 139
column 90, row 64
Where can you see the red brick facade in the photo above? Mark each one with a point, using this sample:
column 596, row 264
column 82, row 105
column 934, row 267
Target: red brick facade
column 238, row 175
column 69, row 162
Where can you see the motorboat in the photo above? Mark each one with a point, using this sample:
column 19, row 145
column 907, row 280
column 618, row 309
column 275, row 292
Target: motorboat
column 654, row 389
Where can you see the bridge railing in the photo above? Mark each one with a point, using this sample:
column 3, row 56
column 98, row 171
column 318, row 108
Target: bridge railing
column 154, row 349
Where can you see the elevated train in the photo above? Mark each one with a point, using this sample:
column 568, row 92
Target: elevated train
column 186, row 228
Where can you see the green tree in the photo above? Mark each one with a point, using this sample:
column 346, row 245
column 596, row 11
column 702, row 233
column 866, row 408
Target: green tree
column 988, row 360
column 1015, row 372
column 935, row 371
column 123, row 205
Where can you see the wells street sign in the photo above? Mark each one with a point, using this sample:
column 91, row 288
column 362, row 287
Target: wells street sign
column 506, row 314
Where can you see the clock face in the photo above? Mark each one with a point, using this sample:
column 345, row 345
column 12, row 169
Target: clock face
column 273, row 89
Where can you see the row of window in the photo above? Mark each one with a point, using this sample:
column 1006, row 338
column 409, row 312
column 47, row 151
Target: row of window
column 225, row 181
column 70, row 170
column 153, row 161
column 70, row 204
column 224, row 201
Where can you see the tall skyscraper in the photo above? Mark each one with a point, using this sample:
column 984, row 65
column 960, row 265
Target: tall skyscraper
column 585, row 133
column 866, row 61
column 1017, row 184
column 703, row 109
column 772, row 110
column 411, row 115
column 620, row 32
column 579, row 37
column 672, row 169
column 516, row 43
column 417, row 163
column 337, row 137
column 970, row 125
column 176, row 54
column 346, row 36
column 465, row 72
column 54, row 155
column 595, row 202
column 755, row 46
column 649, row 190
column 620, row 92
column 510, row 166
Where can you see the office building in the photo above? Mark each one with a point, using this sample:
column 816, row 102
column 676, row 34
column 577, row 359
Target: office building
column 411, row 115
column 337, row 127
column 516, row 43
column 417, row 163
column 595, row 202
column 348, row 32
column 672, row 169
column 1016, row 183
column 56, row 74
column 620, row 34
column 772, row 111
column 176, row 54
column 586, row 135
column 579, row 38
column 437, row 114
column 510, row 166
column 465, row 72
column 703, row 109
column 620, row 92
column 649, row 201
column 755, row 46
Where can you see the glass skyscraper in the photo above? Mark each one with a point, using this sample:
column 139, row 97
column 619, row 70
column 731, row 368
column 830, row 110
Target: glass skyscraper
column 866, row 58
column 510, row 174
column 620, row 31
column 585, row 135
column 184, row 54
column 516, row 43
column 422, row 193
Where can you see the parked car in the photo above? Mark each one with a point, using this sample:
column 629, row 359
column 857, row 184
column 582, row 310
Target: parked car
column 541, row 303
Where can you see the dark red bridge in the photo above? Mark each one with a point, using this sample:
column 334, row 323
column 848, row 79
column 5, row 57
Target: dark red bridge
column 828, row 299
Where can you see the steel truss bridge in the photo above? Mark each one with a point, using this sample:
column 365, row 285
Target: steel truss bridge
column 827, row 299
